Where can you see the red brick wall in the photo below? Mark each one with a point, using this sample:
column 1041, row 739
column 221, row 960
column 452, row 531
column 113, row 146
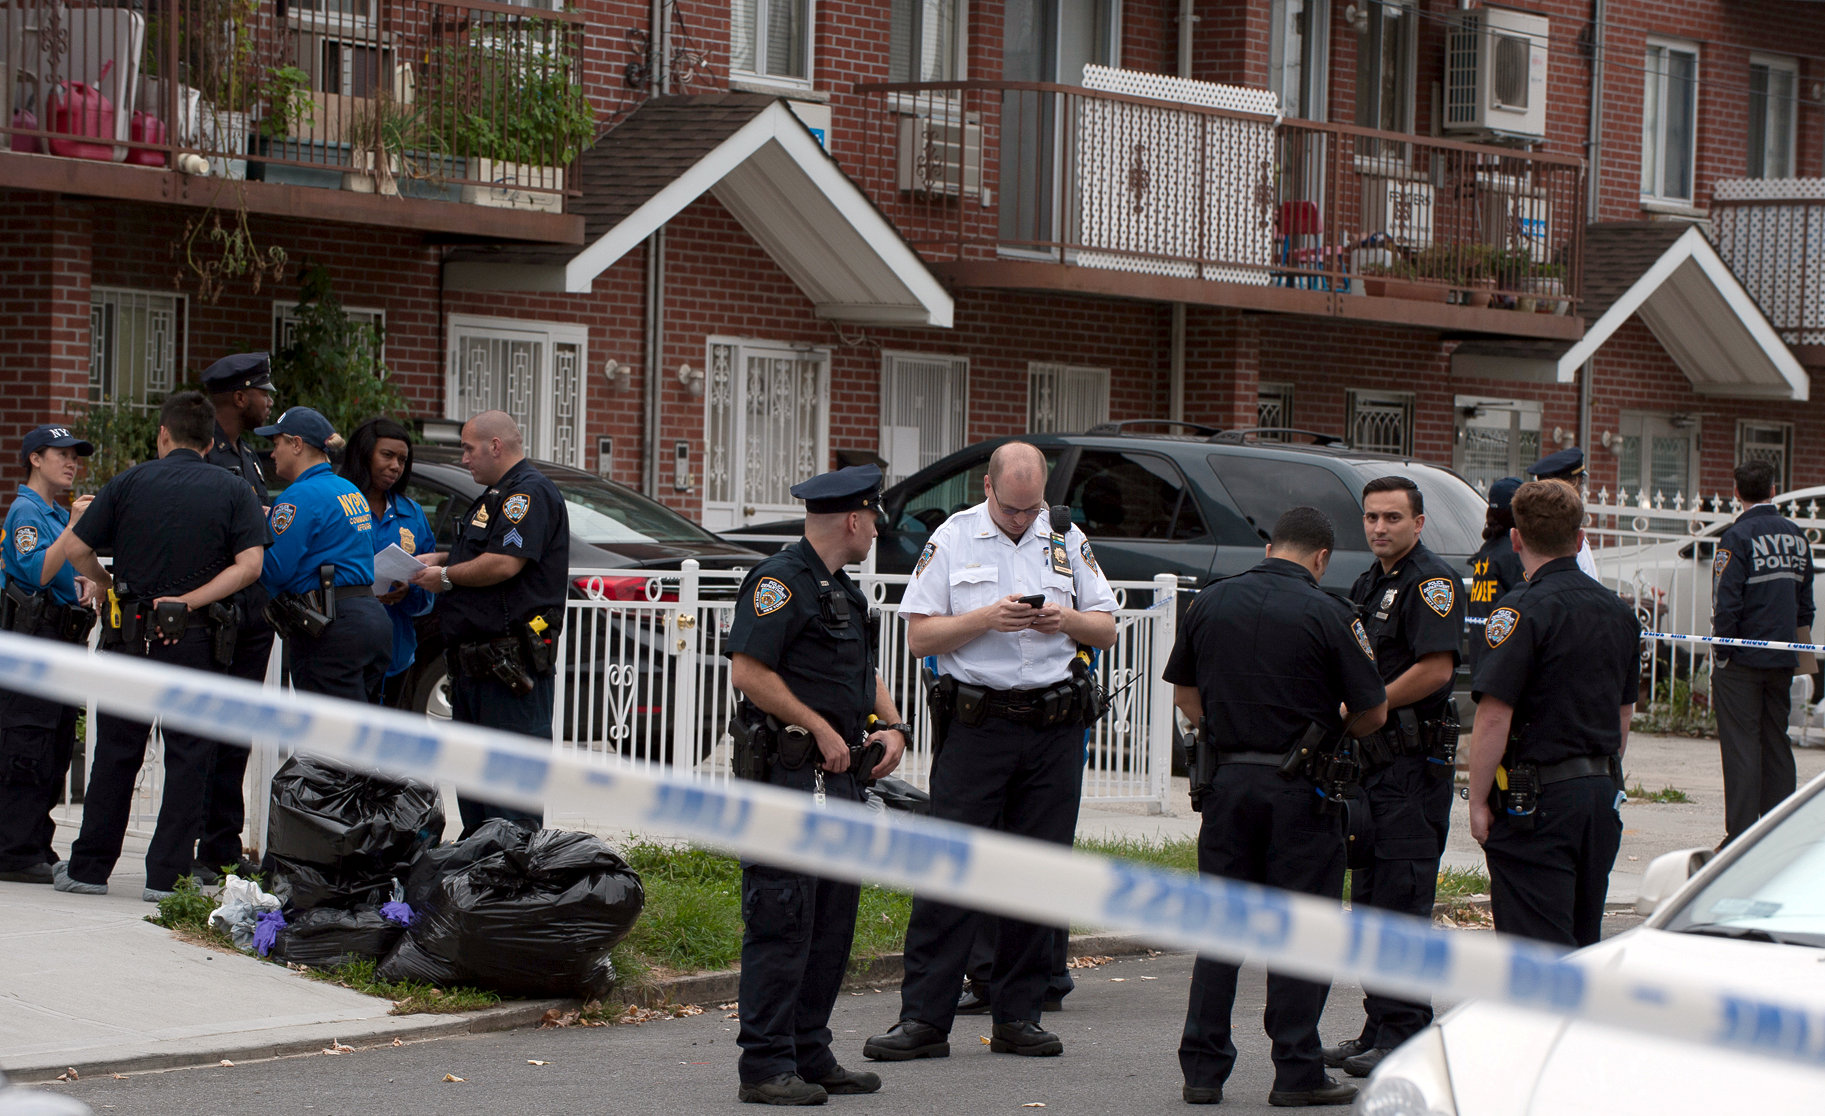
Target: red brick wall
column 44, row 310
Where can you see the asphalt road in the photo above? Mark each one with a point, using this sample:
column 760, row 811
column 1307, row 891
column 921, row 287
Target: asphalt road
column 1120, row 1029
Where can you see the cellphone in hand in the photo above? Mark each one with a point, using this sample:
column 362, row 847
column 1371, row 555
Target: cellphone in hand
column 1033, row 600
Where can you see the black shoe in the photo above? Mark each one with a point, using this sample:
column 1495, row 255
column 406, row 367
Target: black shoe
column 1364, row 1064
column 1198, row 1094
column 840, row 1082
column 36, row 873
column 1331, row 1092
column 906, row 1040
column 1349, row 1048
column 973, row 1001
column 1026, row 1038
column 787, row 1088
column 204, row 875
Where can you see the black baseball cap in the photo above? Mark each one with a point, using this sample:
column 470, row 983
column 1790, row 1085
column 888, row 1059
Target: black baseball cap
column 44, row 436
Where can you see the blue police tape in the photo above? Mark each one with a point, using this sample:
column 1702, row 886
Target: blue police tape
column 1298, row 934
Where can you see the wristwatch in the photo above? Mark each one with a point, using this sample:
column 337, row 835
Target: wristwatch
column 443, row 572
column 902, row 728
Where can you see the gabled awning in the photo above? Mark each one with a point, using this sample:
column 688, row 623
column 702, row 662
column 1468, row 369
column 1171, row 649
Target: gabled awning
column 767, row 169
column 1686, row 295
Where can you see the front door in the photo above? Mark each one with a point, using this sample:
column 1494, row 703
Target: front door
column 1496, row 438
column 1044, row 41
column 766, row 427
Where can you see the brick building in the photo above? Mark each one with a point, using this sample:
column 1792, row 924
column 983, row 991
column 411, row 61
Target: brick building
column 902, row 227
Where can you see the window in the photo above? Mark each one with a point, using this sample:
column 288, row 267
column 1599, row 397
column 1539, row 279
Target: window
column 1066, row 398
column 1496, row 438
column 1299, row 57
column 1669, row 121
column 1132, row 496
column 1773, row 88
column 1659, row 458
column 1263, row 487
column 1386, row 55
column 927, row 42
column 1381, row 422
column 531, row 370
column 1274, row 409
column 285, row 323
column 136, row 344
column 771, row 39
column 1767, row 441
column 924, row 408
column 766, row 427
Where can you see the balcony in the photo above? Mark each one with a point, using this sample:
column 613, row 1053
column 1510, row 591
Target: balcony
column 1771, row 231
column 445, row 115
column 1120, row 191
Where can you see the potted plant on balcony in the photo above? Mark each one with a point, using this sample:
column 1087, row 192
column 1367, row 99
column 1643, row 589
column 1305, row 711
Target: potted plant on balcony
column 1401, row 279
column 290, row 109
column 519, row 117
column 216, row 45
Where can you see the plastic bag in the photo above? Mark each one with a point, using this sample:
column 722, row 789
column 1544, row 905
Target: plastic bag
column 536, row 915
column 240, row 908
column 339, row 838
column 326, row 937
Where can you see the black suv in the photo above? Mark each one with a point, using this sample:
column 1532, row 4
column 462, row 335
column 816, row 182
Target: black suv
column 1197, row 505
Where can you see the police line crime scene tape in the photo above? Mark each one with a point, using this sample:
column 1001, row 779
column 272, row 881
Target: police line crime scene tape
column 1298, row 934
column 1716, row 641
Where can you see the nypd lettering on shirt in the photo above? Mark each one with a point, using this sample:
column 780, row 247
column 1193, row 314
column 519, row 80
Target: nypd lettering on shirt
column 1781, row 556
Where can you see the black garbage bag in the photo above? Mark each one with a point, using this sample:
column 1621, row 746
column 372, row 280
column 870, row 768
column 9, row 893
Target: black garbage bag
column 326, row 937
column 536, row 917
column 335, row 836
column 898, row 794
column 424, row 879
column 304, row 887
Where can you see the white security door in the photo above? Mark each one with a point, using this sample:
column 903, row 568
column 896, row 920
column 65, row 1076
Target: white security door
column 924, row 407
column 1065, row 398
column 766, row 427
column 531, row 370
column 1496, row 438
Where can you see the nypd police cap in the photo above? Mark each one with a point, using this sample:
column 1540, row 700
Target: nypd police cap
column 1567, row 463
column 301, row 422
column 242, row 370
column 1501, row 493
column 43, row 437
column 856, row 488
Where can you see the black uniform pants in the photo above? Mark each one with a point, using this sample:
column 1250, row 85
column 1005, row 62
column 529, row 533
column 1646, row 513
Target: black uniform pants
column 476, row 700
column 350, row 658
column 981, row 970
column 120, row 749
column 224, row 806
column 1752, row 709
column 1018, row 779
column 1412, row 812
column 1261, row 828
column 795, row 940
column 1550, row 883
column 37, row 738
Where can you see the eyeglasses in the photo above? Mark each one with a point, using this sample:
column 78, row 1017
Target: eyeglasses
column 1016, row 513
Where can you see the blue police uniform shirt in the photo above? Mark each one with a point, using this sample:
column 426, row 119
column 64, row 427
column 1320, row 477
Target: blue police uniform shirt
column 319, row 520
column 32, row 525
column 1761, row 587
column 402, row 521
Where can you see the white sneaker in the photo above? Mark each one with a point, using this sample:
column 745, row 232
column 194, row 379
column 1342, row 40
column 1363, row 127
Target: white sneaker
column 60, row 879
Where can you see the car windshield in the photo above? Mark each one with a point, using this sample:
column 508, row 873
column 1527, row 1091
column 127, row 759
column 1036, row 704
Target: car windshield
column 1774, row 890
column 604, row 514
column 1454, row 511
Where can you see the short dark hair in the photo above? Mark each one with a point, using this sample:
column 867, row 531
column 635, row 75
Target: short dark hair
column 358, row 455
column 1548, row 514
column 189, row 417
column 1415, row 501
column 1754, row 481
column 1304, row 529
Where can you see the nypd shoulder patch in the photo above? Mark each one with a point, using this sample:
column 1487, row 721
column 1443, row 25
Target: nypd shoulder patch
column 1439, row 594
column 25, row 539
column 1500, row 626
column 1089, row 557
column 515, row 506
column 1720, row 563
column 1362, row 639
column 282, row 516
column 925, row 558
column 770, row 595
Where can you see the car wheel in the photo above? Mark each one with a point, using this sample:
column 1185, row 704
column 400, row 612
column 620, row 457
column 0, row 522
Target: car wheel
column 431, row 692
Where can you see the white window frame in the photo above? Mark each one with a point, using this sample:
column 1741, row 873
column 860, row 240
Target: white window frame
column 1072, row 376
column 1653, row 135
column 759, row 72
column 908, row 448
column 1761, row 165
column 285, row 314
column 176, row 346
column 1313, row 58
column 1358, row 402
column 1752, row 434
column 541, row 442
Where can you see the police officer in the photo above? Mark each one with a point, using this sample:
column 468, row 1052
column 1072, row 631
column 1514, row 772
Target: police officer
column 1411, row 603
column 379, row 463
column 241, row 389
column 1263, row 662
column 319, row 571
column 802, row 651
column 507, row 580
column 1761, row 581
column 1567, row 467
column 1555, row 692
column 1004, row 597
column 1494, row 569
column 38, row 737
column 186, row 537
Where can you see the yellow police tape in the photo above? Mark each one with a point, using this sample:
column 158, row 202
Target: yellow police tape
column 1298, row 934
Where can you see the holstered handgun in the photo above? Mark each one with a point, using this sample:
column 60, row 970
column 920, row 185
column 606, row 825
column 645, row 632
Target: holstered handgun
column 21, row 611
column 940, row 698
column 752, row 739
column 224, row 631
column 291, row 615
column 1201, row 765
column 326, row 589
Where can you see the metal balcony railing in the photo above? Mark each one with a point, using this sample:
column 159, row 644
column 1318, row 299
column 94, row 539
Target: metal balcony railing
column 461, row 100
column 987, row 170
column 1771, row 231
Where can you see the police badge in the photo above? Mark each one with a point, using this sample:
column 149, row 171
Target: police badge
column 282, row 515
column 925, row 558
column 25, row 539
column 1719, row 563
column 770, row 595
column 1439, row 594
column 1089, row 558
column 1500, row 626
column 515, row 507
column 1362, row 639
column 1387, row 600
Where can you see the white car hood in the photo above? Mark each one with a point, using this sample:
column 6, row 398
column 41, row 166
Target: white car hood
column 1509, row 1062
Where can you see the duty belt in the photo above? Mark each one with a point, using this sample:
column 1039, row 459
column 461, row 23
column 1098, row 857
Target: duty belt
column 1014, row 704
column 1262, row 759
column 1578, row 767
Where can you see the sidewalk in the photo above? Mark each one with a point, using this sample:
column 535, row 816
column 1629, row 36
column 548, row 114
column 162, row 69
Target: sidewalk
column 88, row 983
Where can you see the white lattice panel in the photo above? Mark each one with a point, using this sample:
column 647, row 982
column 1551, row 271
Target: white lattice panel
column 1769, row 189
column 1767, row 247
column 1160, row 87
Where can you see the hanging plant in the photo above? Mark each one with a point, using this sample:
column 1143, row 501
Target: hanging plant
column 217, row 252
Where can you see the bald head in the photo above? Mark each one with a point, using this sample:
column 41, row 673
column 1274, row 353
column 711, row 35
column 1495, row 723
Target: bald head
column 1015, row 487
column 491, row 446
column 1015, row 463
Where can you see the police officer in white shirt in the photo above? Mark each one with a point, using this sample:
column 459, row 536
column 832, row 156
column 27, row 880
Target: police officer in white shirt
column 1004, row 598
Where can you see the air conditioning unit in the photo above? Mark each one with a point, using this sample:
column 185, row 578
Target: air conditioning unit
column 1401, row 208
column 940, row 156
column 1495, row 73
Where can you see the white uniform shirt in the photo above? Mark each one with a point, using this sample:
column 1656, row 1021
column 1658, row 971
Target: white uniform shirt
column 969, row 562
column 1585, row 562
